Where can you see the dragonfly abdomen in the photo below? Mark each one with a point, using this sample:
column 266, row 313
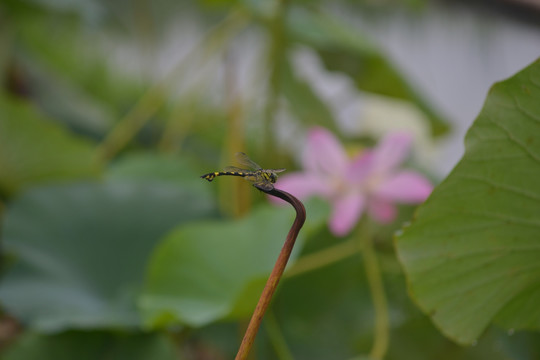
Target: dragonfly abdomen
column 211, row 176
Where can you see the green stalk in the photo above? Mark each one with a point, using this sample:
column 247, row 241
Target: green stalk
column 376, row 287
column 323, row 258
column 276, row 337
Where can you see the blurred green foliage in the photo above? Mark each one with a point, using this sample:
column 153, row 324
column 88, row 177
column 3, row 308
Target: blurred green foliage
column 34, row 149
column 92, row 345
column 113, row 246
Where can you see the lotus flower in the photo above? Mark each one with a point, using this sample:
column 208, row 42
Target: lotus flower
column 372, row 181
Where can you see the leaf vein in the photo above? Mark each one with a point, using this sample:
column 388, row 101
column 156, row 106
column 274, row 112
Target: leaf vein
column 500, row 252
column 496, row 158
column 494, row 276
column 504, row 217
column 516, row 141
column 524, row 111
column 508, row 188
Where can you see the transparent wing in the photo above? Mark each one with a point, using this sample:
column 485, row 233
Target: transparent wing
column 235, row 169
column 277, row 171
column 244, row 160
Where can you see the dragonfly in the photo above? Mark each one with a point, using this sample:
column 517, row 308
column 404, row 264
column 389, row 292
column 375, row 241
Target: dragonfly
column 262, row 179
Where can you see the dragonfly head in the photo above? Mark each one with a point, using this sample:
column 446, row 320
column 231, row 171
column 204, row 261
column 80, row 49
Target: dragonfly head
column 273, row 176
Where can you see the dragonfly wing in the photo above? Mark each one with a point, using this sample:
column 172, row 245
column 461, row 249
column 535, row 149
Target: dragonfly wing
column 276, row 171
column 235, row 169
column 244, row 160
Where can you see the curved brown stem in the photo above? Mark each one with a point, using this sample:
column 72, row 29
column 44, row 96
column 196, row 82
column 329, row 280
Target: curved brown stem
column 275, row 276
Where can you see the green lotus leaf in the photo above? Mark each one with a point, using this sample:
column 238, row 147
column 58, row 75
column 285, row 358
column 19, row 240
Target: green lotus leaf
column 472, row 253
column 215, row 270
column 81, row 249
column 35, row 150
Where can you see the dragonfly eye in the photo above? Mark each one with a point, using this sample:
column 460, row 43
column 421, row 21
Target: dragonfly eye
column 273, row 177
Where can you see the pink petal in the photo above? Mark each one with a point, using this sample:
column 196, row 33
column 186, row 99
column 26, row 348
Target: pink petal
column 360, row 167
column 404, row 187
column 382, row 211
column 324, row 153
column 302, row 185
column 391, row 151
column 345, row 213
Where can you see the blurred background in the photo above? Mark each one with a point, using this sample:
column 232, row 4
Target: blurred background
column 113, row 247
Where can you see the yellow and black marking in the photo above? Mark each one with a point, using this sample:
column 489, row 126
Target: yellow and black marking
column 213, row 175
column 263, row 179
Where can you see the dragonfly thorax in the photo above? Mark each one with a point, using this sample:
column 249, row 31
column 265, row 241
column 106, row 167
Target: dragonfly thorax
column 273, row 177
